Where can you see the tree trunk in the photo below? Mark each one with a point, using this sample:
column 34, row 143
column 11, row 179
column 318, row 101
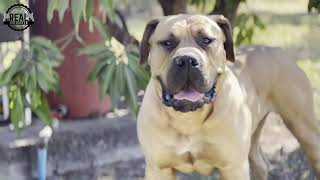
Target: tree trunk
column 228, row 8
column 170, row 7
column 121, row 33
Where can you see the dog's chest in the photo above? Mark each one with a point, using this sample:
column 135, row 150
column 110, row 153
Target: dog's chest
column 206, row 147
column 191, row 153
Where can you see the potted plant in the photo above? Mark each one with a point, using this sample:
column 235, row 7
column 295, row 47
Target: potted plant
column 114, row 70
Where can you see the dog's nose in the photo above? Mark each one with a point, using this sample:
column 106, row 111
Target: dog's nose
column 183, row 61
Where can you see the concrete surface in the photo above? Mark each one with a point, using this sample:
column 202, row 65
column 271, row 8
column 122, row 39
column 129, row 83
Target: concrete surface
column 78, row 150
column 107, row 149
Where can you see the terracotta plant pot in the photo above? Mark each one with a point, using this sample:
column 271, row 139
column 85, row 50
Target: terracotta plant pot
column 80, row 96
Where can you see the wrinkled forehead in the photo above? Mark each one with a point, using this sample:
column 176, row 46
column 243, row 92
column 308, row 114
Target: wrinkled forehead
column 186, row 25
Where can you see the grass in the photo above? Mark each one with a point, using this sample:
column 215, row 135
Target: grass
column 279, row 7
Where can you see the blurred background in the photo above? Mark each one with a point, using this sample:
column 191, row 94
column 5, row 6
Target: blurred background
column 71, row 84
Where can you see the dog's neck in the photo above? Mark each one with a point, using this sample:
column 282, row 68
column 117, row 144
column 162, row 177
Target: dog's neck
column 190, row 122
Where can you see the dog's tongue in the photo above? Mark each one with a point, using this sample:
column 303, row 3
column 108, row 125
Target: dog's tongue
column 189, row 94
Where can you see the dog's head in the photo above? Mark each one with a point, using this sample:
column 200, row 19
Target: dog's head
column 186, row 53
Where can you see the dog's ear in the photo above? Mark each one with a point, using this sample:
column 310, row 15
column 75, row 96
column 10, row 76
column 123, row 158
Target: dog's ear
column 225, row 25
column 145, row 46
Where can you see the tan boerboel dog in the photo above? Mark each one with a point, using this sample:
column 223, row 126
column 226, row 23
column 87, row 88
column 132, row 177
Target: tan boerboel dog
column 204, row 107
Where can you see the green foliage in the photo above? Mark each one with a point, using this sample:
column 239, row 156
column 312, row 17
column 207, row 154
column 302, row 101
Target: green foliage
column 245, row 26
column 32, row 72
column 5, row 4
column 80, row 9
column 199, row 3
column 118, row 73
column 314, row 4
column 109, row 6
column 245, row 23
column 60, row 5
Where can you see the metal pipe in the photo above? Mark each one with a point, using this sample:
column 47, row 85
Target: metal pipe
column 42, row 152
column 42, row 162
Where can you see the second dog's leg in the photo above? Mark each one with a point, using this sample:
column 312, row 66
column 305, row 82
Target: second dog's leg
column 294, row 102
column 258, row 165
column 307, row 132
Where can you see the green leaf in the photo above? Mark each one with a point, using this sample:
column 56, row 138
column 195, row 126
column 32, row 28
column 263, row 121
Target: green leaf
column 31, row 85
column 106, row 76
column 133, row 62
column 143, row 77
column 77, row 7
column 5, row 4
column 53, row 4
column 132, row 108
column 245, row 26
column 45, row 49
column 84, row 10
column 90, row 24
column 132, row 87
column 258, row 21
column 109, row 7
column 114, row 94
column 140, row 72
column 44, row 70
column 42, row 42
column 8, row 74
column 17, row 109
column 102, row 56
column 120, row 79
column 101, row 28
column 35, row 98
column 42, row 80
column 96, row 70
column 62, row 7
column 93, row 49
column 43, row 111
column 89, row 9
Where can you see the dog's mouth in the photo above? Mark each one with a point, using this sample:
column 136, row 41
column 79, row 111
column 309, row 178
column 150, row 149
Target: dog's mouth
column 188, row 93
column 188, row 99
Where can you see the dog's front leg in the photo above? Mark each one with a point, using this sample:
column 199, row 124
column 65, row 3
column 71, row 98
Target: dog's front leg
column 241, row 172
column 155, row 173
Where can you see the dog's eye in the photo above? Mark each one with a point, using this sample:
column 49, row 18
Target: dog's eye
column 168, row 44
column 205, row 41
